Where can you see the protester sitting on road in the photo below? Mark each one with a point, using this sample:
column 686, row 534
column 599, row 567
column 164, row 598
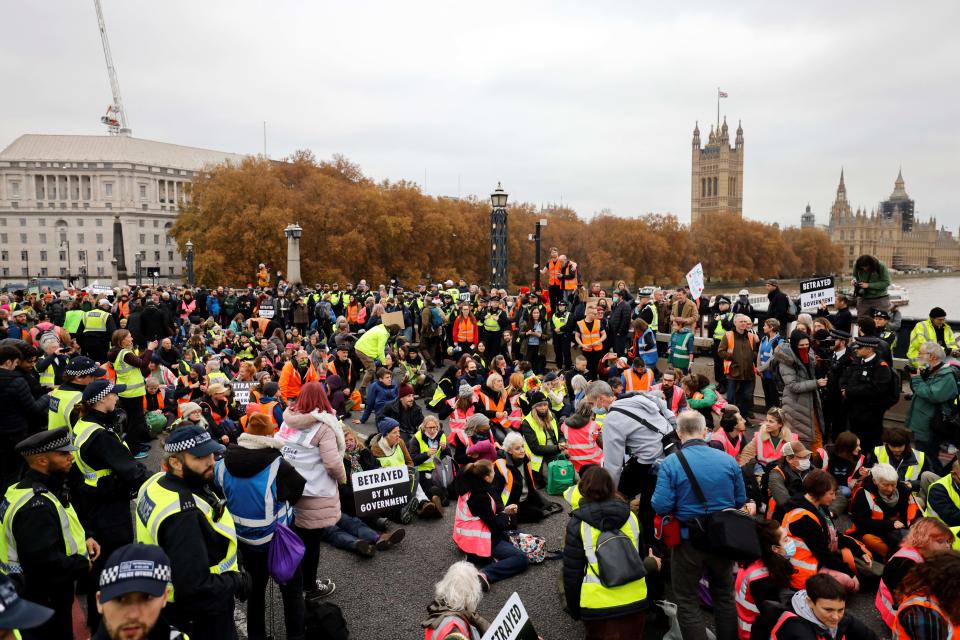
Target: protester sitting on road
column 815, row 612
column 542, row 435
column 926, row 537
column 427, row 446
column 514, row 480
column 701, row 395
column 453, row 613
column 223, row 418
column 785, row 481
column 943, row 497
column 615, row 611
column 192, row 415
column 584, row 439
column 766, row 446
column 391, row 451
column 728, row 436
column 845, row 462
column 380, row 394
column 765, row 578
column 930, row 599
column 481, row 523
column 882, row 511
column 475, row 430
column 405, row 411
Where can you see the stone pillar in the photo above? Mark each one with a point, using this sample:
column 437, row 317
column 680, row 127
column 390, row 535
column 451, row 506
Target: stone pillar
column 293, row 231
column 119, row 261
column 115, row 273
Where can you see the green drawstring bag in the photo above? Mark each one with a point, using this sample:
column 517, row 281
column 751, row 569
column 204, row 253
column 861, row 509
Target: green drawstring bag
column 156, row 422
column 560, row 475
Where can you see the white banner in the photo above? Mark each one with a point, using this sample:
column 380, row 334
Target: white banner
column 695, row 281
column 817, row 290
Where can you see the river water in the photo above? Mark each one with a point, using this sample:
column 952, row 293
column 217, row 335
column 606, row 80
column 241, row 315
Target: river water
column 926, row 293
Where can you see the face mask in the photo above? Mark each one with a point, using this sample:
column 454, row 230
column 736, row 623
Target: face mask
column 789, row 548
column 803, row 464
column 616, row 299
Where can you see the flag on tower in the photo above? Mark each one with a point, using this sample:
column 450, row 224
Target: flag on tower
column 722, row 94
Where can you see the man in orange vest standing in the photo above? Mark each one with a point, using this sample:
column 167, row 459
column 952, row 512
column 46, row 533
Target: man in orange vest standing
column 590, row 338
column 738, row 349
column 569, row 278
column 554, row 284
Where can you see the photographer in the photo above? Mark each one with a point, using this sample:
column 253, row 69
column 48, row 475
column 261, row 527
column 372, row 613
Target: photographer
column 870, row 283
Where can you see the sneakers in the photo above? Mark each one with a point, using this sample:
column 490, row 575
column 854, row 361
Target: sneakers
column 140, row 455
column 381, row 524
column 388, row 540
column 325, row 587
column 365, row 549
column 409, row 512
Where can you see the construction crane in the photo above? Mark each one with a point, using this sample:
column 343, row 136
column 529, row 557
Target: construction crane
column 115, row 117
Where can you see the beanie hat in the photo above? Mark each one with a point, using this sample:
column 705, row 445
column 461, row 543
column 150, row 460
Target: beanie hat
column 386, row 425
column 405, row 390
column 938, row 312
column 258, row 424
column 189, row 407
column 484, row 450
column 536, row 398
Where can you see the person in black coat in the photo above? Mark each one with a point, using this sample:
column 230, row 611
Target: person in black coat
column 405, row 411
column 514, row 472
column 20, row 408
column 842, row 320
column 866, row 387
column 778, row 306
column 618, row 324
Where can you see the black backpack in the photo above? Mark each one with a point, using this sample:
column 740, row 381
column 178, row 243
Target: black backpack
column 324, row 620
column 618, row 559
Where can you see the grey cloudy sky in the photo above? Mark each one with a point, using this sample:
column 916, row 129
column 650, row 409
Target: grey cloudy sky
column 591, row 102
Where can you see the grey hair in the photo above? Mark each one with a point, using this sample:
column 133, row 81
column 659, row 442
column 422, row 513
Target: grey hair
column 742, row 316
column 934, row 349
column 47, row 338
column 492, row 377
column 578, row 383
column 459, row 588
column 883, row 472
column 691, row 423
column 475, row 421
column 511, row 439
column 598, row 388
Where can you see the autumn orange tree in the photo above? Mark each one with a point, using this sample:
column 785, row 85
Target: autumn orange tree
column 355, row 227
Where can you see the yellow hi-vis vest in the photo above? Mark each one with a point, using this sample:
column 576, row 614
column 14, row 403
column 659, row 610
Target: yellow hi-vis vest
column 912, row 473
column 62, row 402
column 47, row 376
column 429, row 465
column 156, row 503
column 130, row 376
column 395, row 459
column 95, row 321
column 537, row 461
column 74, row 537
column 573, row 496
column 593, row 595
column 947, row 482
column 81, row 433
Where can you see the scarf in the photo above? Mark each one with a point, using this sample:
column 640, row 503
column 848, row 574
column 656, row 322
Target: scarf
column 804, row 356
column 354, row 457
column 892, row 500
column 385, row 446
column 831, row 528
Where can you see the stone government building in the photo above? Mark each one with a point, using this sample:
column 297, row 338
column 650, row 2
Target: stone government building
column 62, row 197
column 717, row 176
column 890, row 232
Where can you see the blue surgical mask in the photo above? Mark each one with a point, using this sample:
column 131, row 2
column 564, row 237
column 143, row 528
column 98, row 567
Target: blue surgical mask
column 790, row 548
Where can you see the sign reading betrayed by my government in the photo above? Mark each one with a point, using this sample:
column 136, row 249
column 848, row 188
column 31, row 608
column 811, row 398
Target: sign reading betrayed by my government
column 380, row 490
column 817, row 290
column 512, row 623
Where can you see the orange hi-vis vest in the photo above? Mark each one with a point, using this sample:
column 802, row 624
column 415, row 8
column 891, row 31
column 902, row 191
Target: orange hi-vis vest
column 266, row 409
column 495, row 407
column 217, row 417
column 465, row 329
column 582, row 448
column 448, row 626
column 747, row 610
column 805, row 564
column 470, row 534
column 590, row 337
column 885, row 603
column 123, row 309
column 553, row 265
column 262, row 324
column 353, row 312
column 570, row 283
column 927, row 602
column 876, row 512
column 160, row 401
column 500, row 466
column 726, row 363
column 633, row 382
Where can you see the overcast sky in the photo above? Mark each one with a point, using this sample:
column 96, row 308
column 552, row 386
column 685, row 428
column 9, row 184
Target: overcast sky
column 593, row 103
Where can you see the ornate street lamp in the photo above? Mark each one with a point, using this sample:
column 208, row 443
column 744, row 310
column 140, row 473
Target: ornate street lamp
column 189, row 263
column 498, row 238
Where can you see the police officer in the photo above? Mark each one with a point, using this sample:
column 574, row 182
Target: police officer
column 111, row 478
column 80, row 372
column 17, row 614
column 134, row 589
column 718, row 327
column 834, row 409
column 94, row 334
column 41, row 540
column 561, row 335
column 866, row 386
column 179, row 511
column 881, row 319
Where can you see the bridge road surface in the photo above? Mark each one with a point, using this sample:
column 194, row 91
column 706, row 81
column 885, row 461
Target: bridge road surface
column 386, row 597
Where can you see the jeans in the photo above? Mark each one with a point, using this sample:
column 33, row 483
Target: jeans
column 255, row 563
column 347, row 531
column 740, row 393
column 688, row 566
column 508, row 562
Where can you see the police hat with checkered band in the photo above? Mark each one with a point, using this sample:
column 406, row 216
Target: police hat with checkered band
column 100, row 389
column 193, row 440
column 46, row 442
column 135, row 568
column 83, row 366
column 17, row 613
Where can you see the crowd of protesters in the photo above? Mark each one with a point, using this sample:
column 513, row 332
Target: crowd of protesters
column 260, row 398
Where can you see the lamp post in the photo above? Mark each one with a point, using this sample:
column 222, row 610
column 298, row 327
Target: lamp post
column 69, row 268
column 138, row 259
column 498, row 238
column 293, row 233
column 535, row 236
column 189, row 263
column 84, row 268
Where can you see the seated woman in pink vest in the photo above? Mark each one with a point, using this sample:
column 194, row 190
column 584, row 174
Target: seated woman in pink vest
column 584, row 439
column 481, row 523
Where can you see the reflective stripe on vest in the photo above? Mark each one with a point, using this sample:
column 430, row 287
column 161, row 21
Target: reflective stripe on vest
column 925, row 602
column 469, row 532
column 912, row 474
column 786, row 615
column 582, row 445
column 458, row 420
column 495, row 407
column 128, row 375
column 590, row 338
column 947, row 483
column 541, row 435
column 156, row 503
column 633, row 382
column 429, row 465
column 81, row 433
column 465, row 329
column 554, row 268
column 747, row 610
column 766, row 452
column 730, row 341
column 649, row 355
column 62, row 402
column 593, row 595
column 572, row 496
column 885, row 602
column 74, row 537
column 255, row 497
column 449, row 625
column 47, row 377
column 501, row 467
column 95, row 321
column 803, row 560
column 718, row 331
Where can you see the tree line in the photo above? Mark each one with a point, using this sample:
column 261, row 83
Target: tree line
column 355, row 227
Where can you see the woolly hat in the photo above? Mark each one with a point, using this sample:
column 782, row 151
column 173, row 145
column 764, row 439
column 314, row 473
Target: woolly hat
column 386, row 425
column 483, row 450
column 258, row 424
column 405, row 390
column 189, row 407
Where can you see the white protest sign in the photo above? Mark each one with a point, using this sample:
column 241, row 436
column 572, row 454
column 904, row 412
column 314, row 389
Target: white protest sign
column 380, row 490
column 241, row 392
column 817, row 290
column 512, row 623
column 266, row 310
column 695, row 281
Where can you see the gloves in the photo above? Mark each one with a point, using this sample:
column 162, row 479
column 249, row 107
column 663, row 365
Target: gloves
column 243, row 586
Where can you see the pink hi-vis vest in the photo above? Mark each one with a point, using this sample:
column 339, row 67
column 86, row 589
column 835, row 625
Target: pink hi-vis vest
column 582, row 445
column 884, row 601
column 747, row 610
column 469, row 532
column 516, row 415
column 766, row 452
column 448, row 626
column 675, row 399
column 458, row 420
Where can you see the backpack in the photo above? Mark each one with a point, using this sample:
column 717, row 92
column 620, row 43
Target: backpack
column 792, row 308
column 57, row 312
column 436, row 319
column 618, row 560
column 324, row 620
column 560, row 475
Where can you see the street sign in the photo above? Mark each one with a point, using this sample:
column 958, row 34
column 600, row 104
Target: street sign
column 817, row 290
